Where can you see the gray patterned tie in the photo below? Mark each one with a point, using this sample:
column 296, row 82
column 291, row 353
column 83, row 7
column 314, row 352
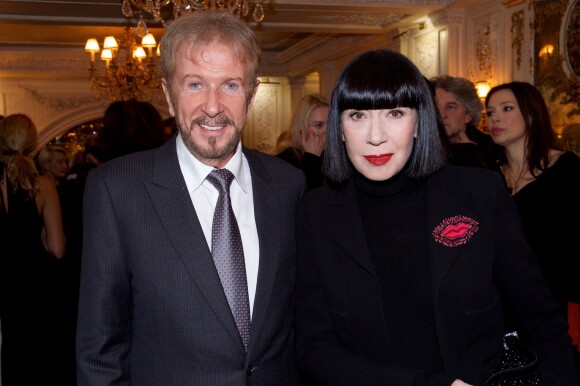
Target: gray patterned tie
column 228, row 253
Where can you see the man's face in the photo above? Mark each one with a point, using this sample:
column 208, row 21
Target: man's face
column 57, row 167
column 210, row 100
column 453, row 113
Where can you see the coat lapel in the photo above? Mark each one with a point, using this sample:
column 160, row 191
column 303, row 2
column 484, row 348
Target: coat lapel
column 267, row 224
column 442, row 204
column 171, row 199
column 343, row 209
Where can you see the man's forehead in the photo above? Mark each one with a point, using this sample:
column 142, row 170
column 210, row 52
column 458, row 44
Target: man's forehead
column 196, row 51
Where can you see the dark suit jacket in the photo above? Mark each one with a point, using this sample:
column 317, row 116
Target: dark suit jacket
column 152, row 309
column 340, row 326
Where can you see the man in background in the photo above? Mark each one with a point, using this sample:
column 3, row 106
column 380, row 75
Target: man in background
column 461, row 111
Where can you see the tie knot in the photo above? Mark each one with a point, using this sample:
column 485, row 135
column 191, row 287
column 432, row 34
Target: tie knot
column 221, row 179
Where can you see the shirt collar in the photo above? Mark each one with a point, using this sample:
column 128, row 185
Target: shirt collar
column 195, row 172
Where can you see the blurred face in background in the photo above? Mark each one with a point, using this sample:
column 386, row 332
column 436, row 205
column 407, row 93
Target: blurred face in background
column 505, row 120
column 56, row 167
column 317, row 122
column 454, row 115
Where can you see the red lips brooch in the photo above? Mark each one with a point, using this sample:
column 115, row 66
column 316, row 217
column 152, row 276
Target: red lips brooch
column 456, row 230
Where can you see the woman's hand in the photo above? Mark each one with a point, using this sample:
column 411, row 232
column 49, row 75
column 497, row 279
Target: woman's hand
column 314, row 144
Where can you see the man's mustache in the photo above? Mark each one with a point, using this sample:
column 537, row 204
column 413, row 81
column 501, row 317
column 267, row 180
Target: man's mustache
column 215, row 121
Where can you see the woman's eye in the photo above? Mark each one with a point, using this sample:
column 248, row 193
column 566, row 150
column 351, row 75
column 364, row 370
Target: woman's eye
column 395, row 113
column 489, row 113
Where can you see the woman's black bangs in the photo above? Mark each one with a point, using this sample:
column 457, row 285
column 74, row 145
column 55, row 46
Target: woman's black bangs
column 377, row 96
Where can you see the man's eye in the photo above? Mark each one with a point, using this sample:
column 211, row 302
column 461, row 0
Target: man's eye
column 231, row 86
column 195, row 85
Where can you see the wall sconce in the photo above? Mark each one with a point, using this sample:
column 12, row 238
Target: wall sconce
column 420, row 25
column 546, row 51
column 482, row 88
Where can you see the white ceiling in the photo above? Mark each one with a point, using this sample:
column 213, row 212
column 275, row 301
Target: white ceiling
column 288, row 24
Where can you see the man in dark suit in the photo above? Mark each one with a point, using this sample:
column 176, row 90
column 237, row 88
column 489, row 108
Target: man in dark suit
column 152, row 309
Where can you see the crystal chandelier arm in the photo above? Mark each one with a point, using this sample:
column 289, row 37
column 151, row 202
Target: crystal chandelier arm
column 240, row 8
column 126, row 75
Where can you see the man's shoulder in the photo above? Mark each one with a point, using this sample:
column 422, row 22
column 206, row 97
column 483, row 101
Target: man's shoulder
column 275, row 173
column 270, row 162
column 134, row 164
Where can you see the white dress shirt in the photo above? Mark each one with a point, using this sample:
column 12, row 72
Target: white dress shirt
column 204, row 197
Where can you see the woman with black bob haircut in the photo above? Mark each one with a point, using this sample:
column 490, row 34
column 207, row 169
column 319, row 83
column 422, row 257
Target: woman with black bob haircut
column 365, row 86
column 404, row 264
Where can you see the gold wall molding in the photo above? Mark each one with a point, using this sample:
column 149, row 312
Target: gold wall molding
column 512, row 3
column 59, row 103
column 550, row 76
column 518, row 35
column 545, row 9
column 377, row 20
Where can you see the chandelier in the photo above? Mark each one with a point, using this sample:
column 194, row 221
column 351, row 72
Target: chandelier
column 240, row 8
column 129, row 71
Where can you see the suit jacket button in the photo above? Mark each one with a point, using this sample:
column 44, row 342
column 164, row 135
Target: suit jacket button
column 249, row 370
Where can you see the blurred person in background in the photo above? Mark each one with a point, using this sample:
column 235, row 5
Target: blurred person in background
column 128, row 127
column 53, row 162
column 307, row 134
column 31, row 240
column 544, row 182
column 461, row 111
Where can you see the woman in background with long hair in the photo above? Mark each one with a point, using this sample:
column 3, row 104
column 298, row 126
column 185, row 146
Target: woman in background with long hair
column 307, row 136
column 31, row 241
column 544, row 182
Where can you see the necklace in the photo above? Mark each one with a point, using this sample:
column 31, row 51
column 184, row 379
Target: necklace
column 515, row 185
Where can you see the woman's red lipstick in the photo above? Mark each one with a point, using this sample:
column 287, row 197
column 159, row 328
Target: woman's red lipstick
column 496, row 130
column 379, row 159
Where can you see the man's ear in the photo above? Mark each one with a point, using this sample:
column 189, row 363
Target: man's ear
column 167, row 93
column 253, row 95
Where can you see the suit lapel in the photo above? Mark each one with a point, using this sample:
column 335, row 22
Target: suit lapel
column 267, row 224
column 171, row 199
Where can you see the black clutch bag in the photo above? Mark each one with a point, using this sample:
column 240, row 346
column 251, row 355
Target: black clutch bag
column 518, row 365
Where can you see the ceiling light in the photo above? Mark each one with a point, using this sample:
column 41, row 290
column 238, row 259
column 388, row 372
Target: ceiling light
column 128, row 72
column 154, row 8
